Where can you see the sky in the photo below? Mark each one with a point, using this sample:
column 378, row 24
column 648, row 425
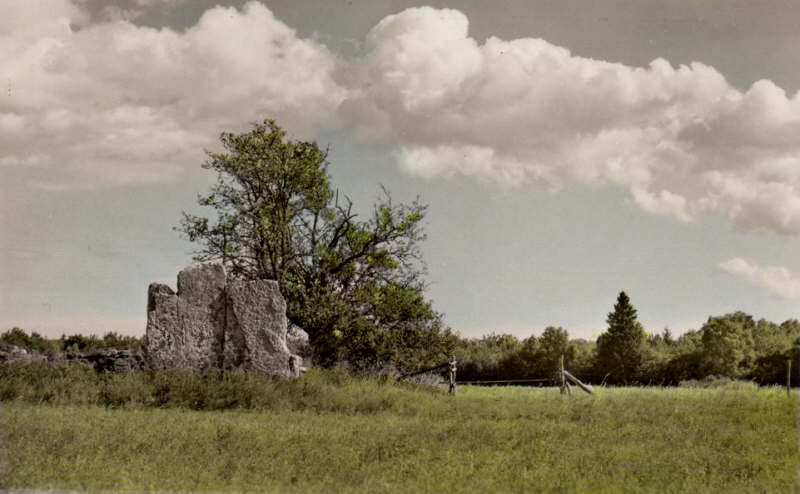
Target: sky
column 567, row 150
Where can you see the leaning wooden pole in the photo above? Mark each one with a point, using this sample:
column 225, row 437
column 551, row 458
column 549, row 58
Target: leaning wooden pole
column 578, row 382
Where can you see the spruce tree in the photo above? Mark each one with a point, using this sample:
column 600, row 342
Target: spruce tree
column 620, row 350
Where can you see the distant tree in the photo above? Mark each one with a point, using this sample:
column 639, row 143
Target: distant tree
column 528, row 356
column 620, row 350
column 494, row 356
column 80, row 343
column 728, row 346
column 112, row 339
column 774, row 346
column 553, row 344
column 770, row 338
column 19, row 337
column 583, row 354
column 355, row 285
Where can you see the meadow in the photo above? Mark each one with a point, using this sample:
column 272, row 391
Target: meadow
column 70, row 429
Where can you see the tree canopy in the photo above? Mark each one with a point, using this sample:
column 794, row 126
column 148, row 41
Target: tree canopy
column 356, row 285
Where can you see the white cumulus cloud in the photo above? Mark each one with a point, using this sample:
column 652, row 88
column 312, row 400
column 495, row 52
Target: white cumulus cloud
column 775, row 279
column 110, row 102
column 115, row 103
column 681, row 140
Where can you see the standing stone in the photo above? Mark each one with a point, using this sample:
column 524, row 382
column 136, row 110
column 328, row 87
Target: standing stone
column 185, row 330
column 255, row 336
column 213, row 323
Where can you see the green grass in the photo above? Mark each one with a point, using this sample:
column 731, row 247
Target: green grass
column 330, row 432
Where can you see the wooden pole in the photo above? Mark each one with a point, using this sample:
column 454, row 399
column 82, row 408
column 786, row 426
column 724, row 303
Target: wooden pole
column 788, row 375
column 578, row 382
column 564, row 388
column 453, row 368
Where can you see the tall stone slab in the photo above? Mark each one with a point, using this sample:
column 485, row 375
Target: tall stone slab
column 185, row 330
column 256, row 326
column 215, row 323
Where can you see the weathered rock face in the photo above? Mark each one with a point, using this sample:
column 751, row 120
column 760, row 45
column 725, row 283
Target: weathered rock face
column 297, row 340
column 256, row 327
column 185, row 329
column 212, row 323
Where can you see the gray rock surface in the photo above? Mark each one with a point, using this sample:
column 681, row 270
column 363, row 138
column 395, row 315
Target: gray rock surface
column 255, row 335
column 297, row 341
column 115, row 360
column 185, row 329
column 299, row 345
column 214, row 323
column 13, row 353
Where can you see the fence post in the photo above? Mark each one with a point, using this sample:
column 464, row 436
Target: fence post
column 788, row 375
column 453, row 368
column 564, row 388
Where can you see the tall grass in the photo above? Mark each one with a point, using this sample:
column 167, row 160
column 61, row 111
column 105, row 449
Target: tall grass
column 321, row 390
column 332, row 432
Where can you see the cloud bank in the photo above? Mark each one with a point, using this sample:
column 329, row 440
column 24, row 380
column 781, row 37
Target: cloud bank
column 115, row 103
column 112, row 103
column 681, row 140
column 775, row 279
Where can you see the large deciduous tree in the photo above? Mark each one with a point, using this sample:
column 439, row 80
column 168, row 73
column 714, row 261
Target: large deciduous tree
column 356, row 285
column 620, row 350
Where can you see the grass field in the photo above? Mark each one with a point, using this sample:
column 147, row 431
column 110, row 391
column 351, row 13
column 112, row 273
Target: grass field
column 355, row 435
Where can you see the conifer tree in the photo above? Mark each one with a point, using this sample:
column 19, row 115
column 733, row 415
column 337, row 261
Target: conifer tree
column 620, row 350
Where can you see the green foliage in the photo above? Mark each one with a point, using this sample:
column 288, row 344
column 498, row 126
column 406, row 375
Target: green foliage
column 552, row 345
column 330, row 432
column 34, row 341
column 728, row 345
column 80, row 343
column 74, row 342
column 732, row 346
column 492, row 357
column 354, row 285
column 620, row 350
column 504, row 357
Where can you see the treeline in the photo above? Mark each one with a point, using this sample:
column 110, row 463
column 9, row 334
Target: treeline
column 72, row 343
column 734, row 346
